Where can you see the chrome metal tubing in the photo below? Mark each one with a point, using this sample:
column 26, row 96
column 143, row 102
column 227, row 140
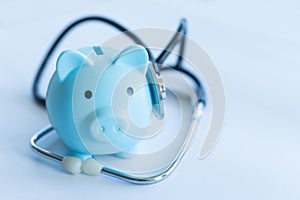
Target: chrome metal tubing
column 41, row 151
column 136, row 179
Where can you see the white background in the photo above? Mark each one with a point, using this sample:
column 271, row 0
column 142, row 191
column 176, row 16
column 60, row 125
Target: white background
column 256, row 47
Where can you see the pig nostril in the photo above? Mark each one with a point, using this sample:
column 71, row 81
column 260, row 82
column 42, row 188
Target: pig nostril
column 116, row 128
column 101, row 129
column 130, row 91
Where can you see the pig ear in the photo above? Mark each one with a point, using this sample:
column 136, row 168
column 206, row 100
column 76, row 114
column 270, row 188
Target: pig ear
column 67, row 62
column 135, row 55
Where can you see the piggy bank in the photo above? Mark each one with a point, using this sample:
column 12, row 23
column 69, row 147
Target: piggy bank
column 98, row 99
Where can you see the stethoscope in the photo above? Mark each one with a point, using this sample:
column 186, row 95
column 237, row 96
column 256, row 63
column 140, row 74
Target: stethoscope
column 91, row 166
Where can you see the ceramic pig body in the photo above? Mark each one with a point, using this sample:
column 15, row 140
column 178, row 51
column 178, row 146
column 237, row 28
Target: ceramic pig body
column 86, row 95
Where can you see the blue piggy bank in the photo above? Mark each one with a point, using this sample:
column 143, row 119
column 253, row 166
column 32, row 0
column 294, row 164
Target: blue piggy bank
column 98, row 100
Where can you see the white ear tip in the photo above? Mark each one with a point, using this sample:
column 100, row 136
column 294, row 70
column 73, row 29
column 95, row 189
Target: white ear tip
column 91, row 167
column 72, row 164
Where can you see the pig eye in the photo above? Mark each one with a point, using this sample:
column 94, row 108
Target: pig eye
column 130, row 91
column 88, row 94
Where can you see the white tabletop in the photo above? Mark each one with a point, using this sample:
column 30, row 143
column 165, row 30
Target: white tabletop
column 255, row 46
